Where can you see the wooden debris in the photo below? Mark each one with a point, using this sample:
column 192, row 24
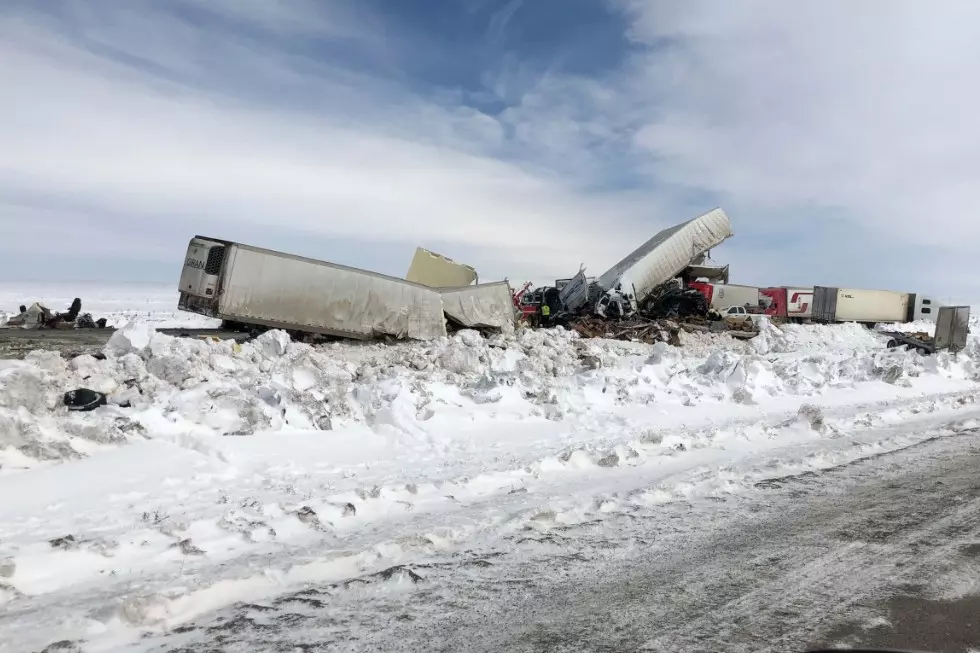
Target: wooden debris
column 651, row 331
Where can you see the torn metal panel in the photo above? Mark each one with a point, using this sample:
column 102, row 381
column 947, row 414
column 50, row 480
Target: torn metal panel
column 485, row 305
column 575, row 294
column 438, row 271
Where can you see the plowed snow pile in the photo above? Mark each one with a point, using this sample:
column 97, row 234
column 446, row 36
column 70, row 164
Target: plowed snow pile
column 181, row 387
column 220, row 472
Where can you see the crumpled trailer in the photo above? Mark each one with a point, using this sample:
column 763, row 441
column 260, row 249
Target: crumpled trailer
column 485, row 305
column 254, row 286
column 661, row 259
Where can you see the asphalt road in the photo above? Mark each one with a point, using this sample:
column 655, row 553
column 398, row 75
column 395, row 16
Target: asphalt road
column 883, row 552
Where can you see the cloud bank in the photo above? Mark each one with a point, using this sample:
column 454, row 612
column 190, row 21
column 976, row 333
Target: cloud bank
column 839, row 136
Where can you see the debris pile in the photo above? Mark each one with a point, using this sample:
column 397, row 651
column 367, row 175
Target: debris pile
column 633, row 329
column 39, row 316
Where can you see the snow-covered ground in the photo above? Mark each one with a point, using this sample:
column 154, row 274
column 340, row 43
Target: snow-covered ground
column 239, row 472
column 152, row 303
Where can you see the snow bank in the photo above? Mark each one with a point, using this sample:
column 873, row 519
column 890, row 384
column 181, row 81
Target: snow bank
column 178, row 388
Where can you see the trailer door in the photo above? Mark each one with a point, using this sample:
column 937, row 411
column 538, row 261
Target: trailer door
column 952, row 327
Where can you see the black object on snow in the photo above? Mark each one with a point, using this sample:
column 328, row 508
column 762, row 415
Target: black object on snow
column 84, row 399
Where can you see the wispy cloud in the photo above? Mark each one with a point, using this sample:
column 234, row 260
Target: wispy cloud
column 309, row 122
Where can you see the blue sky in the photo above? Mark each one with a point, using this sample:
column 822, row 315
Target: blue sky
column 521, row 136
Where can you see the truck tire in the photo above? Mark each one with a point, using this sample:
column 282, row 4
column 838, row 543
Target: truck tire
column 892, row 343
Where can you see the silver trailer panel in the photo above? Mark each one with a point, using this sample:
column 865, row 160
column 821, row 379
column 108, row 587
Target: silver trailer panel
column 667, row 254
column 824, row 304
column 260, row 286
column 485, row 305
column 952, row 327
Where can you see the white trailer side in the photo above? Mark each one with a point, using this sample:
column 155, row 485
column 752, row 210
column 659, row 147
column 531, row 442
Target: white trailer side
column 665, row 256
column 488, row 305
column 857, row 305
column 251, row 285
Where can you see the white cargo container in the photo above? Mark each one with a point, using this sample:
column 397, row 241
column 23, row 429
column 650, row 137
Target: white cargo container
column 485, row 305
column 255, row 286
column 866, row 306
column 725, row 295
column 661, row 259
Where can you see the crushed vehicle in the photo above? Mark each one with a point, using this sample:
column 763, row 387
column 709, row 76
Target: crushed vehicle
column 39, row 316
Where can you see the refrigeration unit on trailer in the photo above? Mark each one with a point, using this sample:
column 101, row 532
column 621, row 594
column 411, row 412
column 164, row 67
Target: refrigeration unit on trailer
column 659, row 260
column 254, row 286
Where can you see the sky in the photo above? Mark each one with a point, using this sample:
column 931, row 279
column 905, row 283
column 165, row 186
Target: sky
column 524, row 137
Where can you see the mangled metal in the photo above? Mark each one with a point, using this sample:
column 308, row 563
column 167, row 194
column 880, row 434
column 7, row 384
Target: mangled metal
column 485, row 305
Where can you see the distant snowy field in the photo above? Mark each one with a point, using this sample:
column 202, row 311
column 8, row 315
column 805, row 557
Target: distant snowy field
column 153, row 303
column 239, row 473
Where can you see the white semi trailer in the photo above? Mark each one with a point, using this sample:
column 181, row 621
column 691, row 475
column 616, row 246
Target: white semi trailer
column 870, row 306
column 254, row 286
column 661, row 259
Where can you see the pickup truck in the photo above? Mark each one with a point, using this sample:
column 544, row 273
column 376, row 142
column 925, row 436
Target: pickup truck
column 737, row 316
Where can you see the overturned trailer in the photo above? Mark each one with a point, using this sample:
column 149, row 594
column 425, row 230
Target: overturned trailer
column 242, row 284
column 628, row 284
column 250, row 286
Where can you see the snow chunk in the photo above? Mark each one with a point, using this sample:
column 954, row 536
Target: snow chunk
column 132, row 338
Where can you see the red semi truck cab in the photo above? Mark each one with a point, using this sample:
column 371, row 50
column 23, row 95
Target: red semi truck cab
column 705, row 289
